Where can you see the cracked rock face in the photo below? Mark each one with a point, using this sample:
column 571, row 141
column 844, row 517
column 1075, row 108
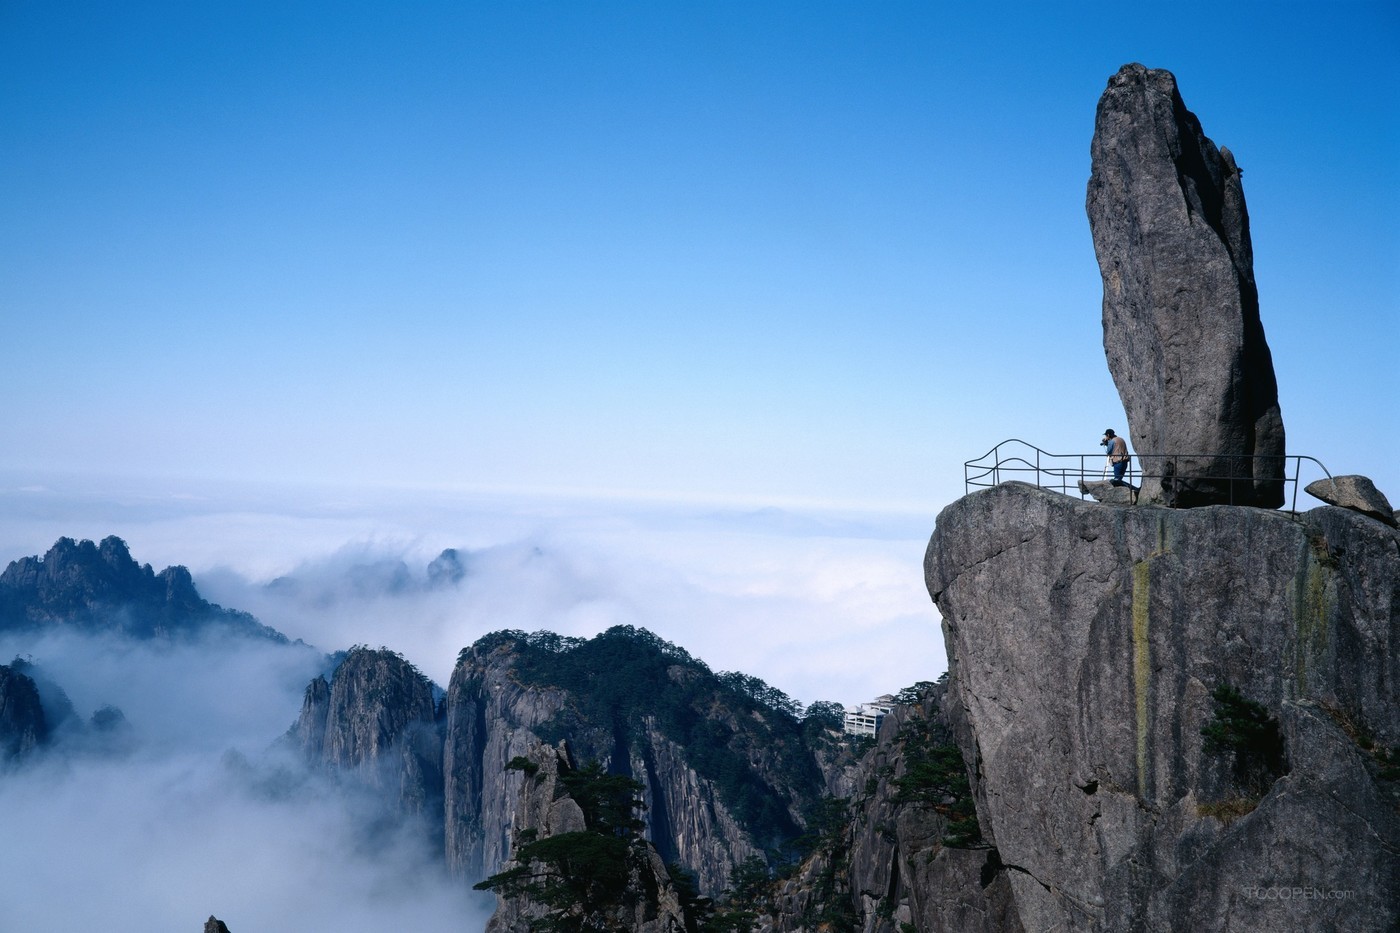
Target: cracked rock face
column 1085, row 643
column 543, row 807
column 1181, row 325
column 376, row 718
column 492, row 717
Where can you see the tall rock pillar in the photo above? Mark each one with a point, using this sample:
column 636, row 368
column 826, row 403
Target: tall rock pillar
column 1181, row 326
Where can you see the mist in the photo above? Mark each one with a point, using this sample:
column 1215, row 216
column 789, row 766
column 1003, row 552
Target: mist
column 199, row 812
column 820, row 608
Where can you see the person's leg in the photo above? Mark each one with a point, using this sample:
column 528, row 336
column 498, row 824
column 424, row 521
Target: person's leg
column 1119, row 469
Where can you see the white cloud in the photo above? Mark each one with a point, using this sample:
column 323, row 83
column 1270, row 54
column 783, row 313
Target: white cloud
column 820, row 605
column 741, row 591
column 740, row 588
column 204, row 816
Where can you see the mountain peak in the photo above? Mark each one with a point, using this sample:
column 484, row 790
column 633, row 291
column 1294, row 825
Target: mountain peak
column 92, row 588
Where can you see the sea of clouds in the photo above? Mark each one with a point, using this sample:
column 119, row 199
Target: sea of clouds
column 204, row 814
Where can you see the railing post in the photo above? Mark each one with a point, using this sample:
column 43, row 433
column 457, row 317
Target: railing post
column 1297, row 472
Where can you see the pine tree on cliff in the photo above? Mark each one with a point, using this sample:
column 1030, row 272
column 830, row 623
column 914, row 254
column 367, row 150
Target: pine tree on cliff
column 580, row 878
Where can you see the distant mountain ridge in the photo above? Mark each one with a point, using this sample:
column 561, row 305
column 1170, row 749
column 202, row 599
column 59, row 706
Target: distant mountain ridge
column 98, row 588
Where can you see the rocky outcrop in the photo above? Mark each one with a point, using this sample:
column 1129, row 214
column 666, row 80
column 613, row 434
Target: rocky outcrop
column 1104, row 491
column 1354, row 492
column 35, row 711
column 1181, row 322
column 649, row 901
column 905, row 857
column 99, row 588
column 23, row 726
column 1090, row 646
column 490, row 720
column 727, row 771
column 910, row 861
column 215, row 925
column 724, row 777
column 377, row 718
column 447, row 569
column 59, row 713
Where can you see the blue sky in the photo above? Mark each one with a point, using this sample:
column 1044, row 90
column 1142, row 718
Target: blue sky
column 282, row 282
column 817, row 252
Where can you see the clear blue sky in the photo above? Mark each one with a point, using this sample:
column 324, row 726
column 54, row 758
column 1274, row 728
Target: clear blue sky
column 770, row 251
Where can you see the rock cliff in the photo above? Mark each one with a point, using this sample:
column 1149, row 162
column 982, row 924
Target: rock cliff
column 23, row 726
column 727, row 770
column 95, row 588
column 1180, row 719
column 644, row 900
column 905, row 851
column 725, row 776
column 1181, row 325
column 377, row 719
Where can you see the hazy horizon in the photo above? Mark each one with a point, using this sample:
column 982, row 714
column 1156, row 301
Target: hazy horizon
column 819, row 603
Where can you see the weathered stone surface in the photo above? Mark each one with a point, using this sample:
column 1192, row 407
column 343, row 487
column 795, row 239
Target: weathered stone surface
column 900, row 869
column 1353, row 492
column 309, row 732
column 685, row 814
column 491, row 719
column 215, row 925
column 494, row 715
column 1106, row 492
column 1180, row 307
column 1085, row 643
column 544, row 809
column 377, row 718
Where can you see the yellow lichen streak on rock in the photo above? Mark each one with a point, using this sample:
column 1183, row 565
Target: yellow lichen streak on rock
column 1310, row 608
column 1142, row 667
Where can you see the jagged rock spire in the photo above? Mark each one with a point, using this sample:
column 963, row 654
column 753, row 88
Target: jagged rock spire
column 1181, row 326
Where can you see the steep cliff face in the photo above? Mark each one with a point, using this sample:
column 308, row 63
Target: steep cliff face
column 491, row 719
column 1090, row 646
column 917, row 855
column 23, row 726
column 377, row 718
column 94, row 588
column 645, row 900
column 726, row 769
column 907, row 853
column 724, row 774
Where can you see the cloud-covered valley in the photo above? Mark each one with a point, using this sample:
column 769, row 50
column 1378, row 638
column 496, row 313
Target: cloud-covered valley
column 201, row 812
column 198, row 812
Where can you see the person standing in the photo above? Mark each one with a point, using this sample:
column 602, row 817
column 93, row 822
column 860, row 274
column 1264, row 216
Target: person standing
column 1117, row 455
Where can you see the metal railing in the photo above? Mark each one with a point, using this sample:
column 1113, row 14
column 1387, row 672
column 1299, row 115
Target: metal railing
column 1015, row 459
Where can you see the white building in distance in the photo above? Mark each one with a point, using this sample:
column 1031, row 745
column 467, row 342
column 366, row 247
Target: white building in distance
column 865, row 719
